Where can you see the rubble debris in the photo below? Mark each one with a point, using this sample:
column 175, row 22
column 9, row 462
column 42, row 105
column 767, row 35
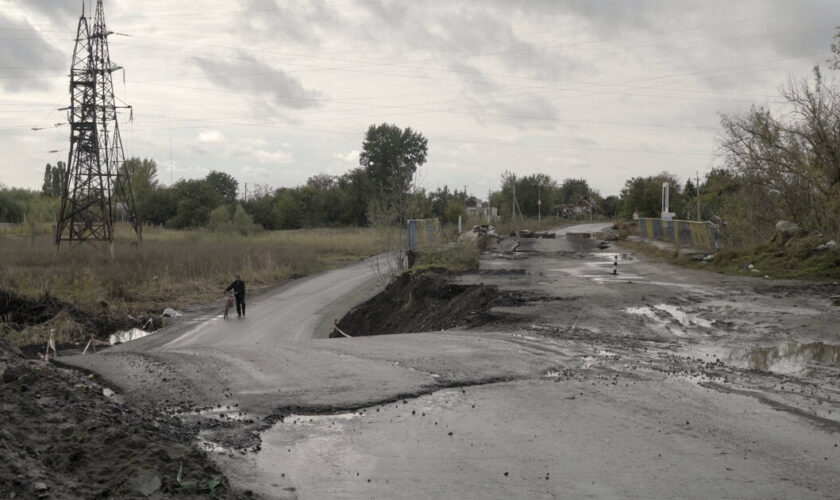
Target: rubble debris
column 63, row 438
column 171, row 313
column 786, row 230
column 508, row 246
column 484, row 229
column 829, row 245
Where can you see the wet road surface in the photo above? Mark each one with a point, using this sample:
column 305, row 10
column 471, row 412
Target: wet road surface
column 655, row 382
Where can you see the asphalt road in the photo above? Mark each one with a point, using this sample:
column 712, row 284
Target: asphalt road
column 614, row 388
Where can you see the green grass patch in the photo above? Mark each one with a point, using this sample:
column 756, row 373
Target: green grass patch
column 797, row 258
column 460, row 257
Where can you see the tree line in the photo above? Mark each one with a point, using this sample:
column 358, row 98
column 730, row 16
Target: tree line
column 782, row 164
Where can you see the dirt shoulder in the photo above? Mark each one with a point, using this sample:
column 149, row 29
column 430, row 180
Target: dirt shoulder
column 62, row 437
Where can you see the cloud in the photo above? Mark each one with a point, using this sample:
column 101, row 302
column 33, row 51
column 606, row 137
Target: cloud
column 252, row 171
column 210, row 136
column 258, row 150
column 59, row 11
column 300, row 23
column 530, row 111
column 33, row 52
column 348, row 157
column 473, row 35
column 268, row 156
column 250, row 75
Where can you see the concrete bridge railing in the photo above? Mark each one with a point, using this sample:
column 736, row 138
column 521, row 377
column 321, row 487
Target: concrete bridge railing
column 683, row 233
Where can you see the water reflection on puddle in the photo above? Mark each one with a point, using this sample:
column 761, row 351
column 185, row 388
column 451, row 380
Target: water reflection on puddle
column 666, row 317
column 790, row 358
column 314, row 419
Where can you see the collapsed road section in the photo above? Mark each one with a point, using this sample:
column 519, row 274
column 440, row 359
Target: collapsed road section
column 621, row 380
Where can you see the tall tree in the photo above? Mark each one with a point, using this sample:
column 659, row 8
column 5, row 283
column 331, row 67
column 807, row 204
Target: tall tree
column 574, row 190
column 47, row 187
column 143, row 174
column 224, row 184
column 793, row 157
column 390, row 156
column 644, row 195
column 59, row 178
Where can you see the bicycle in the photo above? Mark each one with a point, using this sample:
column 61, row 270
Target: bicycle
column 228, row 303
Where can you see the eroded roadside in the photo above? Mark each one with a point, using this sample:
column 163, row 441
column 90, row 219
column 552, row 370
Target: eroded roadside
column 652, row 381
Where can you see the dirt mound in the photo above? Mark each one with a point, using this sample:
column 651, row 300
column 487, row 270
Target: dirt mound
column 61, row 437
column 425, row 302
column 35, row 317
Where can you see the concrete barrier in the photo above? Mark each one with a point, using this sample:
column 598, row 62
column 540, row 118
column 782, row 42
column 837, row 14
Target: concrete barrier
column 682, row 233
column 423, row 232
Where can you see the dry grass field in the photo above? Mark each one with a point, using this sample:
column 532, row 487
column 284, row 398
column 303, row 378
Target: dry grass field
column 173, row 268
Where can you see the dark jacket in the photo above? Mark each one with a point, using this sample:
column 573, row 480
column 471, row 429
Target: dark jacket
column 238, row 288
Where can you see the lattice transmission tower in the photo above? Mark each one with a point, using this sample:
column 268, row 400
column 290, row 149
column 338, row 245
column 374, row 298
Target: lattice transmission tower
column 98, row 187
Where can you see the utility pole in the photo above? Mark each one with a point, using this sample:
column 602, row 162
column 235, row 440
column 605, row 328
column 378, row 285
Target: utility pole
column 170, row 162
column 98, row 184
column 697, row 189
column 539, row 202
column 513, row 207
column 488, row 206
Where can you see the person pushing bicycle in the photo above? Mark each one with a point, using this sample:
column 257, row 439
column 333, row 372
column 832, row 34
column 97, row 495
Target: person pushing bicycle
column 238, row 288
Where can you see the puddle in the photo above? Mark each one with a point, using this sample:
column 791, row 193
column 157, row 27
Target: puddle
column 128, row 336
column 663, row 316
column 611, row 257
column 210, row 446
column 225, row 413
column 315, row 419
column 683, row 317
column 113, row 396
column 790, row 358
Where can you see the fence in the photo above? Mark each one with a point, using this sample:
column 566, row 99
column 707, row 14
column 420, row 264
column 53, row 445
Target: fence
column 423, row 232
column 682, row 233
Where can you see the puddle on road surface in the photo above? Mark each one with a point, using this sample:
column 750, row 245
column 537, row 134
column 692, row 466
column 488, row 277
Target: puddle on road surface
column 315, row 419
column 211, row 447
column 601, row 270
column 611, row 257
column 225, row 413
column 790, row 358
column 664, row 317
column 128, row 336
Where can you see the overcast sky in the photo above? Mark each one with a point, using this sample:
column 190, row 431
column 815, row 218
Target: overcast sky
column 274, row 91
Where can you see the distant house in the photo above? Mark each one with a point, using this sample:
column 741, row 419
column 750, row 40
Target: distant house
column 580, row 209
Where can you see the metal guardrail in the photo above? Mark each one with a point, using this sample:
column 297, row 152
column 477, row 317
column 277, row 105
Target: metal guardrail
column 683, row 233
